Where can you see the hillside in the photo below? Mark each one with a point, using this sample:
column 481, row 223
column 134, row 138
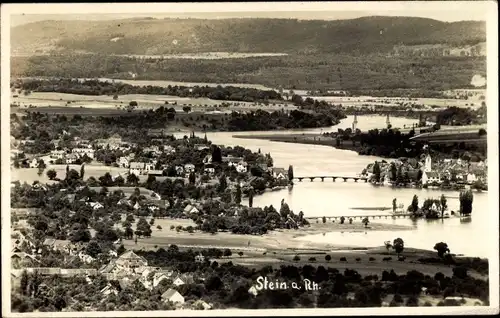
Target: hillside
column 164, row 36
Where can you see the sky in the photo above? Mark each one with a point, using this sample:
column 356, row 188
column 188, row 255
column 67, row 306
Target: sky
column 448, row 11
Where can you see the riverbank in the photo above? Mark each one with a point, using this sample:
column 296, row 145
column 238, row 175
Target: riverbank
column 285, row 247
column 305, row 138
column 276, row 240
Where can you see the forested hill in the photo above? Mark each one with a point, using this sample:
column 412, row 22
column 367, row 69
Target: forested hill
column 162, row 36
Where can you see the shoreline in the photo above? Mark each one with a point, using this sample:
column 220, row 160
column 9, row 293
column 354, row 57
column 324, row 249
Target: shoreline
column 284, row 247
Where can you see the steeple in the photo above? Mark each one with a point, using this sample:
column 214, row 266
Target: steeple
column 428, row 163
column 355, row 122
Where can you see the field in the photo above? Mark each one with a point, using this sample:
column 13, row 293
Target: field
column 398, row 101
column 205, row 56
column 85, row 103
column 29, row 175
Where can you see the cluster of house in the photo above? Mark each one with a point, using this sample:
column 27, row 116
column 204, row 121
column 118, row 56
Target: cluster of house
column 454, row 170
column 25, row 254
column 121, row 271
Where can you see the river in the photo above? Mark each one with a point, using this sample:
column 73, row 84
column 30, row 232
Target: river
column 337, row 198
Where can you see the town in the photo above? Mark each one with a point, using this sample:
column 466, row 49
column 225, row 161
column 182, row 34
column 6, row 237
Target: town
column 279, row 160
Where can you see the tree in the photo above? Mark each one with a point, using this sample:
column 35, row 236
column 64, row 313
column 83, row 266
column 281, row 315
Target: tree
column 186, row 109
column 132, row 179
column 442, row 249
column 388, row 245
column 290, row 173
column 93, row 249
column 143, row 227
column 227, row 252
column 129, row 233
column 237, row 196
column 133, row 103
column 466, row 198
column 398, row 245
column 192, row 178
column 79, row 233
column 216, row 154
column 24, row 282
column 240, row 253
column 393, row 172
column 328, row 258
column 399, row 175
column 250, row 198
column 376, row 172
column 443, row 204
column 115, row 97
column 414, row 204
column 365, row 222
column 82, row 171
column 41, row 164
column 324, row 220
column 222, row 184
column 51, row 174
column 394, row 205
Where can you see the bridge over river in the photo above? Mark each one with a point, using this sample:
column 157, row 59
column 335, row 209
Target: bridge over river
column 334, row 178
column 361, row 217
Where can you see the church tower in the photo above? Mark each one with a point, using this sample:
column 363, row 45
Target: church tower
column 355, row 123
column 387, row 121
column 428, row 163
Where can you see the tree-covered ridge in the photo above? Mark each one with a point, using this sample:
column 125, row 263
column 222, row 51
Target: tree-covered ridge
column 155, row 36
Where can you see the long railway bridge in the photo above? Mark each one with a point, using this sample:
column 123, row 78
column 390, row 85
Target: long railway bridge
column 334, row 178
column 361, row 217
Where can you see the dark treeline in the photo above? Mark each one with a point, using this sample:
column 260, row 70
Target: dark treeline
column 396, row 76
column 95, row 87
column 226, row 286
column 262, row 120
column 456, row 116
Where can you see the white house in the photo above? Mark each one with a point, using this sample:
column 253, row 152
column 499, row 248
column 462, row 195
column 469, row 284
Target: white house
column 85, row 258
column 137, row 168
column 179, row 170
column 232, row 161
column 199, row 258
column 201, row 305
column 190, row 209
column 430, row 177
column 57, row 154
column 188, row 168
column 168, row 149
column 471, row 177
column 178, row 281
column 71, row 158
column 201, row 147
column 253, row 290
column 95, row 205
column 207, row 160
column 158, row 277
column 123, row 162
column 173, row 296
column 34, row 163
column 279, row 173
column 109, row 289
column 83, row 151
column 241, row 167
column 210, row 170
